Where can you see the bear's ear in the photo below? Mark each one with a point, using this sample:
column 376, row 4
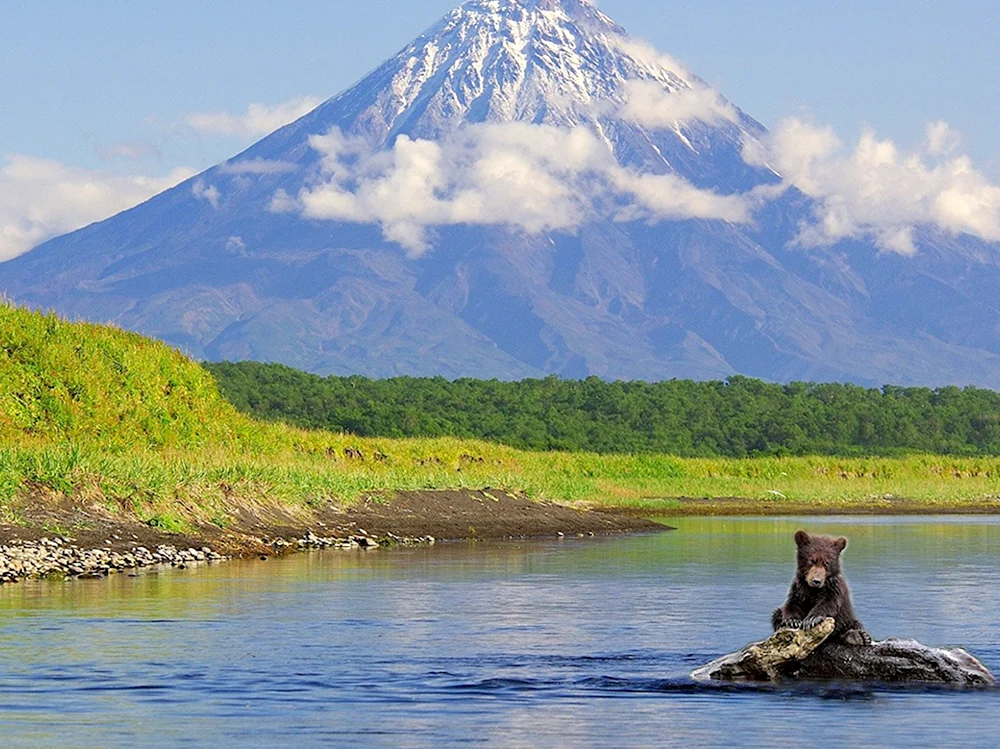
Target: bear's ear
column 840, row 544
column 801, row 538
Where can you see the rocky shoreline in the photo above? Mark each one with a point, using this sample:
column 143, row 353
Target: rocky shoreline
column 59, row 558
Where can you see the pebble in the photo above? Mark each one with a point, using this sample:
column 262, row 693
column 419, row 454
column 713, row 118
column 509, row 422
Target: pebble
column 60, row 556
column 360, row 540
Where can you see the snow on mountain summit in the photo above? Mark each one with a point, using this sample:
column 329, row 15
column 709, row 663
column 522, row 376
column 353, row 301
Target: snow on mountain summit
column 552, row 62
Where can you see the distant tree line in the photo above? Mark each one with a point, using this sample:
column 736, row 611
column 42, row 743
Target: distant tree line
column 737, row 417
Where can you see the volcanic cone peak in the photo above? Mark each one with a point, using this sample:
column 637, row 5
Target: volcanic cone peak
column 581, row 12
column 555, row 62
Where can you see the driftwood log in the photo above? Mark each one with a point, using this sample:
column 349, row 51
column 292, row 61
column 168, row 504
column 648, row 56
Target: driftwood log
column 805, row 654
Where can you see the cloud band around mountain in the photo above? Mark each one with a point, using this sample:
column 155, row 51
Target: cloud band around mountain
column 542, row 178
column 533, row 177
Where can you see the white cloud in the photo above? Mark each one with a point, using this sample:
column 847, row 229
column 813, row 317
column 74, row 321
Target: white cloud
column 534, row 177
column 650, row 104
column 942, row 140
column 259, row 119
column 257, row 166
column 132, row 150
column 493, row 174
column 541, row 178
column 878, row 190
column 206, row 192
column 282, row 202
column 667, row 197
column 40, row 198
column 652, row 59
column 671, row 96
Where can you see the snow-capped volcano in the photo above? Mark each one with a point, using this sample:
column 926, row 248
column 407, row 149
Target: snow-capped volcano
column 560, row 63
column 548, row 62
column 524, row 189
column 557, row 62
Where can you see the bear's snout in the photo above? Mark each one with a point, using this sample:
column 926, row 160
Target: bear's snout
column 816, row 577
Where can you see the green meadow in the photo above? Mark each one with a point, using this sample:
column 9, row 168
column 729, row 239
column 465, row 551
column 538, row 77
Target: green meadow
column 97, row 415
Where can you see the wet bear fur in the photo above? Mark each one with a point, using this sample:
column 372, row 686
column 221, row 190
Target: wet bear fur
column 819, row 590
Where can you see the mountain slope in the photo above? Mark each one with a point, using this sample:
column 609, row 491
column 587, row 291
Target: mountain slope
column 249, row 259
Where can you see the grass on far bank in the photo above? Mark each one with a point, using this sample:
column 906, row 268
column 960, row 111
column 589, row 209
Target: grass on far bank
column 97, row 414
column 309, row 469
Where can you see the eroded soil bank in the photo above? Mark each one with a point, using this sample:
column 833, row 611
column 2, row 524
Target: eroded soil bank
column 257, row 529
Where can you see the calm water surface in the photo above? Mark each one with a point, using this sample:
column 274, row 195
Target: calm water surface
column 573, row 643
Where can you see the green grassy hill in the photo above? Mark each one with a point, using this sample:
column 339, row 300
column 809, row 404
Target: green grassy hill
column 62, row 381
column 100, row 417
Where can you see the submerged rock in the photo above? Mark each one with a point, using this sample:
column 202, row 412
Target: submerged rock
column 894, row 661
column 805, row 654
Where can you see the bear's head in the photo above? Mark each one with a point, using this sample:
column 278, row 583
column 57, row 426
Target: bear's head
column 818, row 557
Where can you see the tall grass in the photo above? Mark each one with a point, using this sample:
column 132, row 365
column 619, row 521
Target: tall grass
column 320, row 467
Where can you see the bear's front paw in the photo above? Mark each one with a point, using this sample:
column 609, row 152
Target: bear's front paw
column 791, row 624
column 812, row 621
column 857, row 637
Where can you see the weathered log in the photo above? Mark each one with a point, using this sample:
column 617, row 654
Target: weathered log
column 805, row 654
column 765, row 660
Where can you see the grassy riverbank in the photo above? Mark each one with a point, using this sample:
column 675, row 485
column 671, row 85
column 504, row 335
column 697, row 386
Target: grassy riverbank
column 303, row 470
column 91, row 415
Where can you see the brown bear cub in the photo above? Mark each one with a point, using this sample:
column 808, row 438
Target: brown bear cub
column 819, row 591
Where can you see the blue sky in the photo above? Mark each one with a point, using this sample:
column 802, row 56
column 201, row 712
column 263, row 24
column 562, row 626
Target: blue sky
column 110, row 89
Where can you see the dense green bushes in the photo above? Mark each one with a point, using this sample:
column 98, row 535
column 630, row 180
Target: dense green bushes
column 736, row 418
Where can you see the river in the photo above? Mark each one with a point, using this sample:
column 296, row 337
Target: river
column 554, row 643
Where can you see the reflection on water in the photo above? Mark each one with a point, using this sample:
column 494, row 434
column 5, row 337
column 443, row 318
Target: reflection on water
column 553, row 643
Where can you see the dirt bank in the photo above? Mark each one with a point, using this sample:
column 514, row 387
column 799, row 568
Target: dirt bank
column 443, row 515
column 482, row 514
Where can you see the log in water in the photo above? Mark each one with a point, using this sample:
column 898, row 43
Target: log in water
column 805, row 654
